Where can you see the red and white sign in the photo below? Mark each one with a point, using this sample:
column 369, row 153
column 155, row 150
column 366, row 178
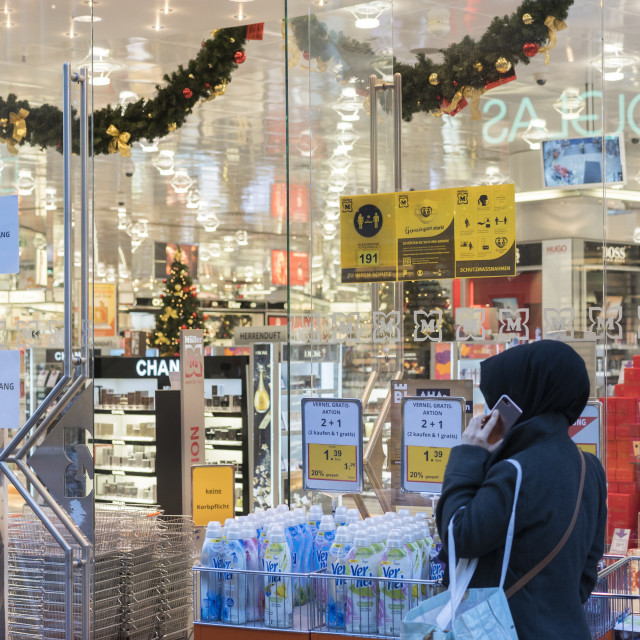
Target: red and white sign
column 585, row 431
column 191, row 407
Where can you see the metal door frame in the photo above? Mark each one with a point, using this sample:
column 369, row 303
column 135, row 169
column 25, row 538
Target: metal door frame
column 76, row 372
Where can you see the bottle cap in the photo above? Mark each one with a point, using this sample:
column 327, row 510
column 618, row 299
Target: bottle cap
column 395, row 539
column 276, row 534
column 361, row 539
column 213, row 527
column 343, row 535
column 390, row 515
column 341, row 515
column 283, row 507
column 234, row 532
column 249, row 531
column 404, row 512
column 327, row 523
column 420, row 515
column 315, row 512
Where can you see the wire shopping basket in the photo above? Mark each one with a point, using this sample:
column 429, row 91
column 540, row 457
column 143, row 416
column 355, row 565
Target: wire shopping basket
column 615, row 601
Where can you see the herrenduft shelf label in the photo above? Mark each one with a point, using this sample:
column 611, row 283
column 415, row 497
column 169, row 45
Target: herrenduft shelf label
column 430, row 428
column 332, row 444
column 424, row 235
column 9, row 235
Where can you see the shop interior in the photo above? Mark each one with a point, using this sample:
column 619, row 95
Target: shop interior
column 247, row 187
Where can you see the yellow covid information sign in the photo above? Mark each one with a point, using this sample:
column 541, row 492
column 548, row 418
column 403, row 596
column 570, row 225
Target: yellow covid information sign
column 367, row 238
column 424, row 235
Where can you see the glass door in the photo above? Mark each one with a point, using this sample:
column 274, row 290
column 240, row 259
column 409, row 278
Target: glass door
column 46, row 341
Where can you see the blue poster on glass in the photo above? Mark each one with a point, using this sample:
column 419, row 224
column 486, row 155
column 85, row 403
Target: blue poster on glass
column 9, row 236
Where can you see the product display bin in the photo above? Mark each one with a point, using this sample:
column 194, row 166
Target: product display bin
column 309, row 609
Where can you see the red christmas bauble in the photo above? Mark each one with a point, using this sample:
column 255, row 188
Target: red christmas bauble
column 239, row 57
column 184, row 326
column 530, row 49
column 455, row 83
column 194, row 294
column 305, row 55
column 176, row 354
column 187, row 93
column 194, row 315
column 185, row 289
column 162, row 295
column 164, row 281
column 205, row 316
column 203, row 43
column 206, row 85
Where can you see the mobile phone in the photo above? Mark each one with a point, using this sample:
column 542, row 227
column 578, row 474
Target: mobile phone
column 509, row 412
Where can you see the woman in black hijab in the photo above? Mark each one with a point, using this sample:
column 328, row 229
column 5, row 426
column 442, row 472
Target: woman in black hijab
column 549, row 382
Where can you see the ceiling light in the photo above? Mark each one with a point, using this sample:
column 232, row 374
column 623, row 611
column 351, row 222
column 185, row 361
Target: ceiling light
column 493, row 176
column 240, row 15
column 438, row 21
column 50, row 199
column 164, row 162
column 329, row 230
column 214, row 250
column 242, row 238
column 229, row 244
column 211, row 227
column 535, row 133
column 338, row 185
column 87, row 18
column 148, row 147
column 347, row 105
column 570, row 104
column 181, row 181
column 368, row 15
column 332, row 214
column 25, row 184
column 127, row 97
column 193, row 199
column 613, row 61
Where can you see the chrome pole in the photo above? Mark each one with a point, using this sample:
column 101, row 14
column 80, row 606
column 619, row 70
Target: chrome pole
column 68, row 237
column 397, row 174
column 373, row 161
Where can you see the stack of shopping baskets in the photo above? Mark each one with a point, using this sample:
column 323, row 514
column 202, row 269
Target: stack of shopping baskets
column 142, row 585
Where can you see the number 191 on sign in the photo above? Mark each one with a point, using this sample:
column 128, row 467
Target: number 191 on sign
column 368, row 257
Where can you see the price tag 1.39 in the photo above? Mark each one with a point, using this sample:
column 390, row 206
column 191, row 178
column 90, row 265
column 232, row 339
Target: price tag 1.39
column 332, row 444
column 430, row 428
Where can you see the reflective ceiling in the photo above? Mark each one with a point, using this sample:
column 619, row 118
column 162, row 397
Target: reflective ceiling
column 234, row 147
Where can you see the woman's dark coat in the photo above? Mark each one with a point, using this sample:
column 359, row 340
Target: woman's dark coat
column 548, row 381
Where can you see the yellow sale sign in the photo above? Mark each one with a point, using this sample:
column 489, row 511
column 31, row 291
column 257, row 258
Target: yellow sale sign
column 423, row 235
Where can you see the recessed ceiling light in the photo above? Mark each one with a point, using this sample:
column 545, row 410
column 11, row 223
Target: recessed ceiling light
column 241, row 0
column 87, row 18
column 157, row 27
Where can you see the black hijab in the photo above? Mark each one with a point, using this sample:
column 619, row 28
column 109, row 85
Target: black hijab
column 540, row 377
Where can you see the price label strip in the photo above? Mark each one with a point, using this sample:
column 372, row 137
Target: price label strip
column 430, row 428
column 332, row 444
column 333, row 462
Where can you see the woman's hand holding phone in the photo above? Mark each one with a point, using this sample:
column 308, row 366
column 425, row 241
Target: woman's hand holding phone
column 484, row 431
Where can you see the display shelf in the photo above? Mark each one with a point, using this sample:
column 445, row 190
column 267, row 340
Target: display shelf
column 124, row 500
column 125, row 470
column 123, row 412
column 125, row 440
column 234, row 444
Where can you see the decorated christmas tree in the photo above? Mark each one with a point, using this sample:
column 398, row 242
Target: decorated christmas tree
column 179, row 309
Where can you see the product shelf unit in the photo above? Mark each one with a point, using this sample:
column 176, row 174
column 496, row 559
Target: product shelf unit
column 126, row 440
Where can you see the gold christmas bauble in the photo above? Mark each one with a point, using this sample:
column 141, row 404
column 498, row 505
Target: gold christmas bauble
column 219, row 89
column 478, row 67
column 502, row 65
column 433, row 79
column 527, row 19
column 178, row 287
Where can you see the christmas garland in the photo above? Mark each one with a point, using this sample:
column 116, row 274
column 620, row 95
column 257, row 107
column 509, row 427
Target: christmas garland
column 470, row 68
column 115, row 128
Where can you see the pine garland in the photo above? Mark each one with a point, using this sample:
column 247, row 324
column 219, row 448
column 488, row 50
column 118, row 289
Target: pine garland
column 202, row 78
column 467, row 64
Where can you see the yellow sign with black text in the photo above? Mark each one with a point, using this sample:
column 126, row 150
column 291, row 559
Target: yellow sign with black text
column 424, row 235
column 367, row 238
column 213, row 491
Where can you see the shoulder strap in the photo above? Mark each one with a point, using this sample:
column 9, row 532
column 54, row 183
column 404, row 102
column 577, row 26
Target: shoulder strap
column 545, row 561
